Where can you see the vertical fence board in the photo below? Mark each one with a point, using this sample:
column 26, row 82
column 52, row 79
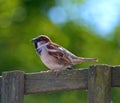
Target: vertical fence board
column 99, row 84
column 0, row 84
column 12, row 87
column 115, row 76
column 97, row 79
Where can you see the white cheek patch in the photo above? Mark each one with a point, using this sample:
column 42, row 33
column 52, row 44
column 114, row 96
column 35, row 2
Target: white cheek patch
column 39, row 44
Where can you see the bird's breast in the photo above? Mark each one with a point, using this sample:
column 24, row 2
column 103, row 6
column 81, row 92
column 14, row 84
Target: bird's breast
column 50, row 61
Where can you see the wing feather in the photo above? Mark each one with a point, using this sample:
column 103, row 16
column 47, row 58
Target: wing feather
column 59, row 53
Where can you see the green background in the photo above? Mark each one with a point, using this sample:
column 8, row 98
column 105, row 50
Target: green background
column 22, row 20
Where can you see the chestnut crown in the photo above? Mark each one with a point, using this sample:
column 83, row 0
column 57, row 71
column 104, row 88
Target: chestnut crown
column 41, row 38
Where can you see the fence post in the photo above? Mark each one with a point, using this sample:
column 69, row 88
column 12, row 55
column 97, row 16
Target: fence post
column 12, row 87
column 99, row 84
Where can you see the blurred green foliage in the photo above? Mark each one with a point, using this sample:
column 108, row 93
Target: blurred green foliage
column 22, row 20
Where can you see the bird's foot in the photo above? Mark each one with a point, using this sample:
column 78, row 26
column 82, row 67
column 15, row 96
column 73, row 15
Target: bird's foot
column 50, row 70
column 56, row 71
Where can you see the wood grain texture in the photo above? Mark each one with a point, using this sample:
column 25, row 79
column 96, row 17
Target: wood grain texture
column 68, row 80
column 0, row 84
column 49, row 82
column 115, row 76
column 99, row 84
column 12, row 87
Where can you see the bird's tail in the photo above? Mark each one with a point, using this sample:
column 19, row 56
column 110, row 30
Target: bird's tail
column 80, row 60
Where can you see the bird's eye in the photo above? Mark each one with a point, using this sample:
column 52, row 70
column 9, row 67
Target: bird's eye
column 42, row 38
column 39, row 39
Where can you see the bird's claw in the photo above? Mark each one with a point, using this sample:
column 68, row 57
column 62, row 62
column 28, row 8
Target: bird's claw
column 56, row 71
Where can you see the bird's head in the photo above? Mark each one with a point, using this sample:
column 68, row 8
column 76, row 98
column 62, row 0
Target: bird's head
column 40, row 40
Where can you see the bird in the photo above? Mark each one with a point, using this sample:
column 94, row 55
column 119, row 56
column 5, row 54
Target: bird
column 54, row 56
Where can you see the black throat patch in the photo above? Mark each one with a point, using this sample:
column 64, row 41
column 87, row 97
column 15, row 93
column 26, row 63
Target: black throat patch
column 35, row 45
column 39, row 51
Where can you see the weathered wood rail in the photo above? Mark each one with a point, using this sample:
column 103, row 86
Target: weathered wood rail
column 98, row 79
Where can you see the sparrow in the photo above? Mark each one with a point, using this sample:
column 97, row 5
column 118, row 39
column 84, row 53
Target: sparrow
column 54, row 56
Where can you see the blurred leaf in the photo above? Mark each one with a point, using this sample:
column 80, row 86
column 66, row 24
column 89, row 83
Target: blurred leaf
column 22, row 20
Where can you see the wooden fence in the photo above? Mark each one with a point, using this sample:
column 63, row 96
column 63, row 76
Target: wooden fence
column 98, row 79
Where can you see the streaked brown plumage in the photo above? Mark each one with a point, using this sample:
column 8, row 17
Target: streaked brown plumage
column 56, row 57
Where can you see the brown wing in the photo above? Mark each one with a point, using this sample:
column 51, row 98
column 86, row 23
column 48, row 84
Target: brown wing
column 59, row 53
